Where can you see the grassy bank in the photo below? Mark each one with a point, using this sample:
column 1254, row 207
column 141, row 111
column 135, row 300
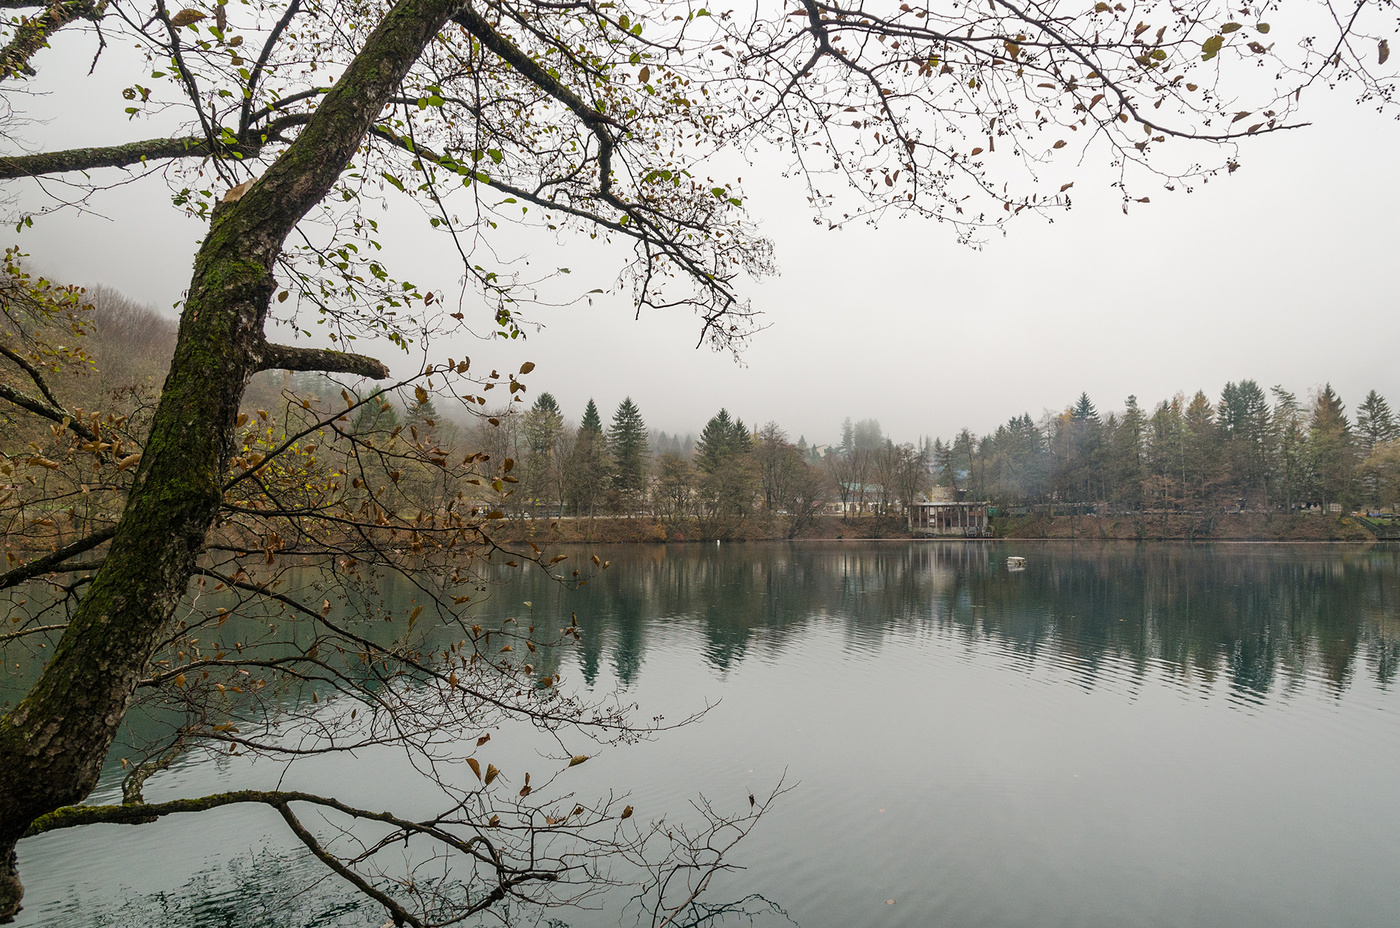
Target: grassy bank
column 1188, row 526
column 646, row 530
column 1177, row 526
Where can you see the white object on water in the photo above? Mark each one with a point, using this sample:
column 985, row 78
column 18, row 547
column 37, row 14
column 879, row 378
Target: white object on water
column 1015, row 563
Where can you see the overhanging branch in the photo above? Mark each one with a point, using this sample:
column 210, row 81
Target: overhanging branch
column 120, row 156
column 41, row 408
column 117, row 156
column 288, row 358
column 54, row 559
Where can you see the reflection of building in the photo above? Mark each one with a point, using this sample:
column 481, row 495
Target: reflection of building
column 944, row 514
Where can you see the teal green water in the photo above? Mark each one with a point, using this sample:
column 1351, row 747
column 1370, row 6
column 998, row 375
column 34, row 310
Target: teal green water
column 1115, row 736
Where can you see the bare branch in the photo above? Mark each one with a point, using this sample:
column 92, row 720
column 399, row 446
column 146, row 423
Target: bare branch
column 116, row 156
column 33, row 373
column 54, row 560
column 54, row 413
column 289, row 358
column 120, row 156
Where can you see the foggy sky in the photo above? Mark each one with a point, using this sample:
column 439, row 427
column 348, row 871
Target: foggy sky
column 1283, row 273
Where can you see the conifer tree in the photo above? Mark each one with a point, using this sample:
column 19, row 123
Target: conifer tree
column 627, row 445
column 716, row 442
column 588, row 464
column 1288, row 440
column 741, row 440
column 1375, row 423
column 544, row 424
column 1331, row 449
column 422, row 413
column 375, row 416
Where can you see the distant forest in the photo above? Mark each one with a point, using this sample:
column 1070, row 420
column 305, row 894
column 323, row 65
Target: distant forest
column 1247, row 449
column 1269, row 451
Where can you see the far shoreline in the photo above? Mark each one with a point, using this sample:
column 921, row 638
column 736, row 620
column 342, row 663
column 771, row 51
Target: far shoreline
column 1196, row 527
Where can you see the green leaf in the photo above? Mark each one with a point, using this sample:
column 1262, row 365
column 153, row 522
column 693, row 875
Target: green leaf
column 394, row 180
column 1229, row 28
column 1211, row 47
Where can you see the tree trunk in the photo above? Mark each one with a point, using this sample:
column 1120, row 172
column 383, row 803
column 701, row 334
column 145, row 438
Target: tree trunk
column 52, row 745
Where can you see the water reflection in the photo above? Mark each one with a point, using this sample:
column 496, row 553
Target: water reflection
column 889, row 681
column 1262, row 618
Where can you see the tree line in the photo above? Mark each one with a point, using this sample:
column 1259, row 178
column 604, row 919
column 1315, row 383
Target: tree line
column 1251, row 449
column 1248, row 449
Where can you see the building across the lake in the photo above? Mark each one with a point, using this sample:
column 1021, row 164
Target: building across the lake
column 945, row 513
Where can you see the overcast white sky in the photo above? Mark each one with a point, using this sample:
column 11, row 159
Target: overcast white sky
column 1283, row 273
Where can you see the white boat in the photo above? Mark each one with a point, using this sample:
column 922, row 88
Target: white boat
column 1015, row 563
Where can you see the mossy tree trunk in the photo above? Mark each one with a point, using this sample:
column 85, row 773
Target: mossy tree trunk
column 52, row 745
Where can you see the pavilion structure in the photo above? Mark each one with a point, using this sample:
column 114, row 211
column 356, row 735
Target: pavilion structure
column 951, row 517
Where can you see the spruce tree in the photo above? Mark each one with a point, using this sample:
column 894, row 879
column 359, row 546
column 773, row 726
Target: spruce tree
column 1375, row 423
column 740, row 439
column 588, row 464
column 591, row 421
column 422, row 413
column 1331, row 451
column 1084, row 410
column 374, row 416
column 627, row 445
column 543, row 425
column 716, row 443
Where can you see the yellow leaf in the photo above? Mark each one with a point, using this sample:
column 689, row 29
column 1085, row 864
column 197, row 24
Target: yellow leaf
column 476, row 768
column 185, row 18
column 577, row 759
column 627, row 812
column 420, row 394
column 491, row 774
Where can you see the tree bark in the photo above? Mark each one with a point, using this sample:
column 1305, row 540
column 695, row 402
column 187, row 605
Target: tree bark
column 53, row 743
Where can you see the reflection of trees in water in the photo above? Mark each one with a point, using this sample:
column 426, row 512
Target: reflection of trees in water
column 1262, row 618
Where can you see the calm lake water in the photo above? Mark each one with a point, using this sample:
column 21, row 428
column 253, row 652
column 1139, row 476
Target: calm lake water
column 1133, row 735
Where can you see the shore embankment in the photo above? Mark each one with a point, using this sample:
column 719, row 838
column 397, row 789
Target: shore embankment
column 1137, row 526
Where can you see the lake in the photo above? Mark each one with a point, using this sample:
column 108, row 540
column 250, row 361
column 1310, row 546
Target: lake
column 1118, row 735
